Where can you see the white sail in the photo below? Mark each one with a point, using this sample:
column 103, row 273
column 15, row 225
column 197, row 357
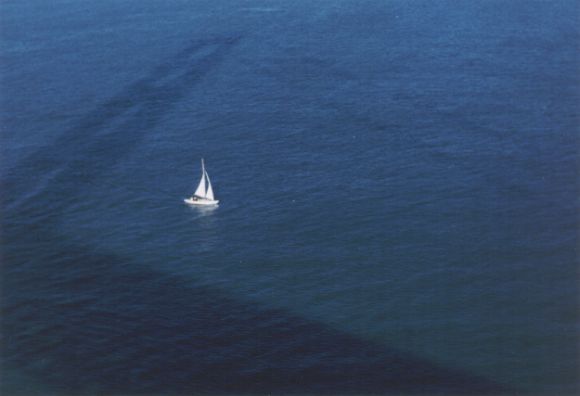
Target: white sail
column 200, row 192
column 204, row 193
column 209, row 194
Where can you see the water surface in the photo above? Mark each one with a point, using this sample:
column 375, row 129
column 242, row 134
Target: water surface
column 398, row 187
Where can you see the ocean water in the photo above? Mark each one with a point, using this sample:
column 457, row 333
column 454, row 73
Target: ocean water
column 398, row 186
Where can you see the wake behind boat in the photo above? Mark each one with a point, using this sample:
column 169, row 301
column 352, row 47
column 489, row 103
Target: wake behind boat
column 204, row 193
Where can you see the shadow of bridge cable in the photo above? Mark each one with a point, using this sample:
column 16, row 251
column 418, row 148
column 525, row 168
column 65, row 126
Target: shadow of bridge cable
column 103, row 324
column 83, row 322
column 115, row 126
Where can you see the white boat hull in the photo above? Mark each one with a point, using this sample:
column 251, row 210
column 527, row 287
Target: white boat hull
column 201, row 202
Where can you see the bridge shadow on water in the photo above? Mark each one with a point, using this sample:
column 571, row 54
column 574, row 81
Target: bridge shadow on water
column 90, row 323
column 99, row 139
column 78, row 321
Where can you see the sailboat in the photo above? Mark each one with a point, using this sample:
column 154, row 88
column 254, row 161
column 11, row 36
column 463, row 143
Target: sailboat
column 204, row 193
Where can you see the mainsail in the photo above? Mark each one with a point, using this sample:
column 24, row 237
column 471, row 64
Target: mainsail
column 209, row 194
column 200, row 192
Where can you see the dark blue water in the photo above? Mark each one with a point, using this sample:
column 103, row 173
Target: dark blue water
column 399, row 189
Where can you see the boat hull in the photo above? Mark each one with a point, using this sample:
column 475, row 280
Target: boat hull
column 201, row 202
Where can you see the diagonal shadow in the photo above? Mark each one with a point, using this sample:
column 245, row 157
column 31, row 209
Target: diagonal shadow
column 109, row 132
column 87, row 322
column 119, row 328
